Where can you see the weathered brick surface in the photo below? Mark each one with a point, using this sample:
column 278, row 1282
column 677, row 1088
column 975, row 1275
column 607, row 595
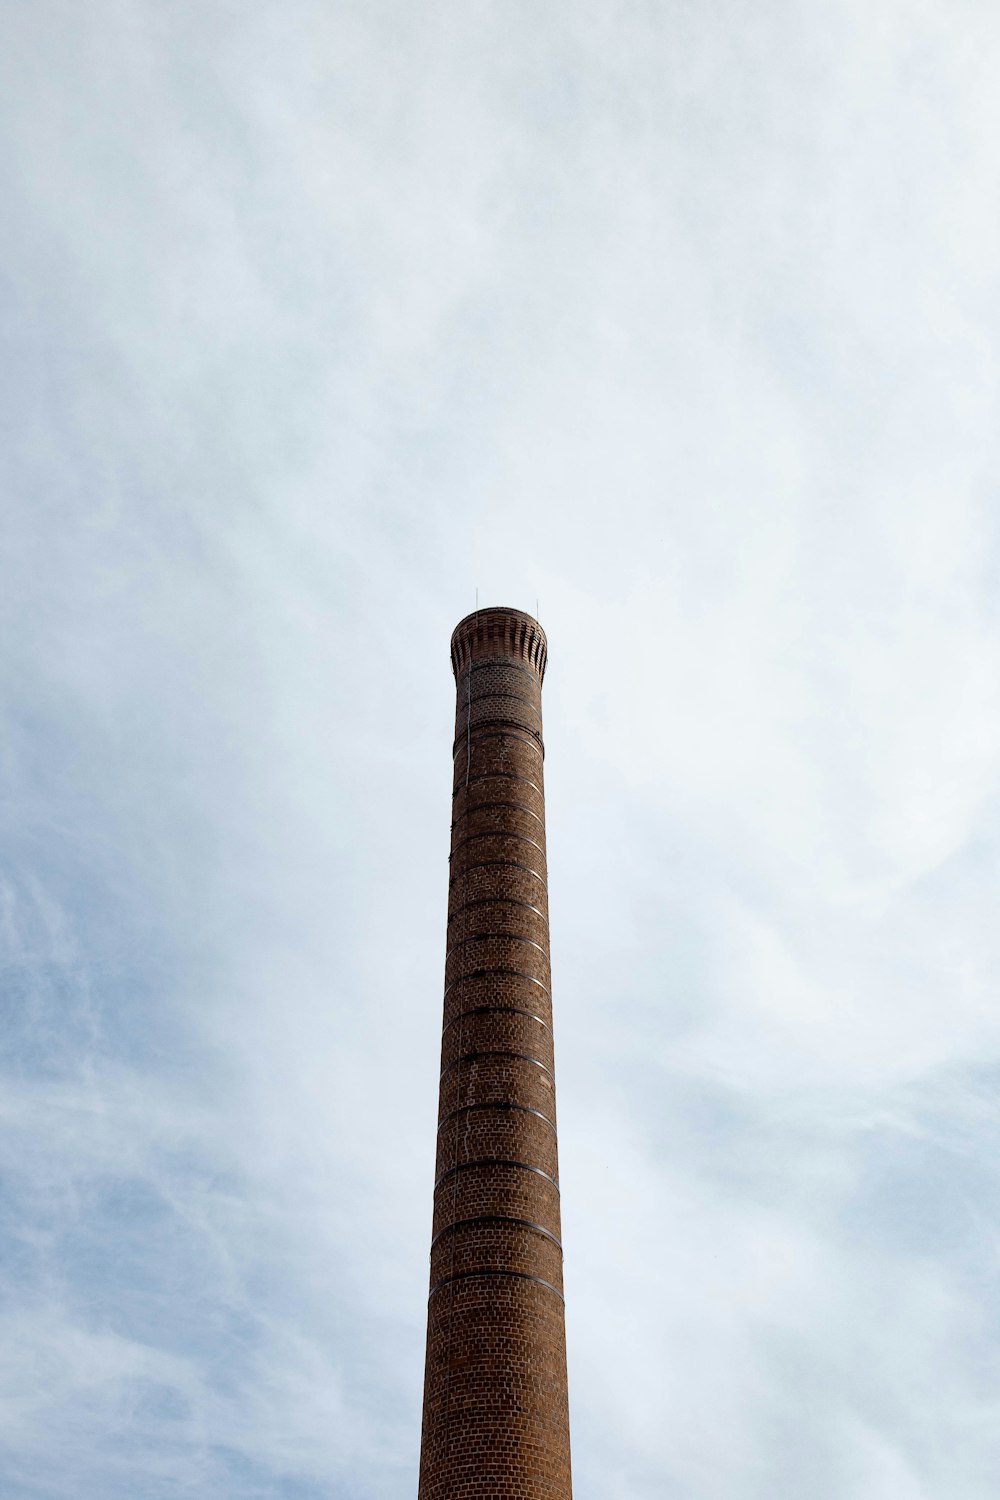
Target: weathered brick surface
column 498, row 1242
column 498, row 914
column 502, row 787
column 512, row 953
column 476, row 1083
column 477, row 1032
column 496, row 1424
column 505, row 1134
column 497, row 1189
column 518, row 880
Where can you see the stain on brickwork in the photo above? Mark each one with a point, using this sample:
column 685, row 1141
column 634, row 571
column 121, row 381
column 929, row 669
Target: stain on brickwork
column 496, row 1420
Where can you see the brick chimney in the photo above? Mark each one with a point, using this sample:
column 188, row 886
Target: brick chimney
column 496, row 1421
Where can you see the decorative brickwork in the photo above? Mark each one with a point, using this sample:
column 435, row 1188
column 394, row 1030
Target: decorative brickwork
column 496, row 1421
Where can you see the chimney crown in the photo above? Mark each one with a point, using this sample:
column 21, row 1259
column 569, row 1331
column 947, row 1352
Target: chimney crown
column 496, row 633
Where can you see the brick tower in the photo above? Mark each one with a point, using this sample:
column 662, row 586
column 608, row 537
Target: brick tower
column 496, row 1422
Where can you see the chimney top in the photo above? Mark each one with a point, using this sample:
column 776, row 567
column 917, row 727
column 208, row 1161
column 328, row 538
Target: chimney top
column 496, row 632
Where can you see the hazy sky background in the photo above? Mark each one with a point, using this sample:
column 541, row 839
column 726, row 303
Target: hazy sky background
column 681, row 318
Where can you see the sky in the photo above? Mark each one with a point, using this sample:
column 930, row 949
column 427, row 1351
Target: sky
column 678, row 322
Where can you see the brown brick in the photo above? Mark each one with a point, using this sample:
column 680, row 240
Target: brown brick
column 496, row 1423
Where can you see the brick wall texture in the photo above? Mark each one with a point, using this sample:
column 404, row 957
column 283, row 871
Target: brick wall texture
column 496, row 1422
